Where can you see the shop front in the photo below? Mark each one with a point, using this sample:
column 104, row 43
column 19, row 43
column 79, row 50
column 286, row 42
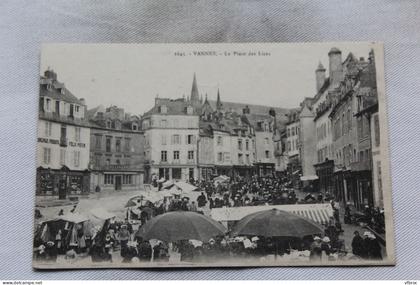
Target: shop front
column 62, row 182
column 325, row 173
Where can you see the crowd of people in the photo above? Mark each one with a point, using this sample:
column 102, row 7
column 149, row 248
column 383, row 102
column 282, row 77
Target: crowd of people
column 120, row 236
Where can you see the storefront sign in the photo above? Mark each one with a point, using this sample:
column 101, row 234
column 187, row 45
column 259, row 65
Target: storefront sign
column 77, row 144
column 51, row 141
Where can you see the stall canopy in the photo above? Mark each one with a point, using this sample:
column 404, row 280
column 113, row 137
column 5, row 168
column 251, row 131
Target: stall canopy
column 308, row 178
column 319, row 213
column 72, row 218
column 101, row 214
column 185, row 187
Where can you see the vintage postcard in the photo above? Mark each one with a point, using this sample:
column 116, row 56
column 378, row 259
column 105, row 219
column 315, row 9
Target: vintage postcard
column 212, row 155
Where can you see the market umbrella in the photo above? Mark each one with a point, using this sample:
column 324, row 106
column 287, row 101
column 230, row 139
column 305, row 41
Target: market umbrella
column 180, row 225
column 276, row 223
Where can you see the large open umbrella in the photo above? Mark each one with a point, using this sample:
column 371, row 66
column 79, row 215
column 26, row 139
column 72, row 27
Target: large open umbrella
column 175, row 226
column 276, row 223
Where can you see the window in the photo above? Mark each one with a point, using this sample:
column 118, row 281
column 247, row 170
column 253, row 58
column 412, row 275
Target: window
column 98, row 141
column 176, row 155
column 163, row 139
column 163, row 123
column 108, row 179
column 76, row 158
column 176, row 139
column 190, row 154
column 266, row 140
column 118, row 145
column 239, row 144
column 163, row 109
column 219, row 140
column 108, row 144
column 247, row 159
column 247, row 145
column 164, row 155
column 190, row 110
column 134, row 127
column 77, row 108
column 108, row 124
column 226, row 156
column 77, row 134
column 118, row 162
column 267, row 154
column 190, row 139
column 240, row 158
column 127, row 144
column 62, row 156
column 127, row 179
column 220, row 156
column 377, row 132
column 108, row 162
column 47, row 155
column 293, row 131
column 348, row 119
column 48, row 129
column 48, row 104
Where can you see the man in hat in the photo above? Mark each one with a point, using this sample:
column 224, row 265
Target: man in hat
column 357, row 244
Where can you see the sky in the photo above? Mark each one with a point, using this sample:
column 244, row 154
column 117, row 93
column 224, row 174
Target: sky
column 132, row 75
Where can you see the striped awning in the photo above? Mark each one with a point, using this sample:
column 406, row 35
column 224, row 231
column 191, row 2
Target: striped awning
column 319, row 213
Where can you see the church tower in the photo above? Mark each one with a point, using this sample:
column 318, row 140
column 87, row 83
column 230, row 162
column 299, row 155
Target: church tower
column 219, row 104
column 194, row 98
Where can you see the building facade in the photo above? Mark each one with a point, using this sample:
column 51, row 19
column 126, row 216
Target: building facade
column 63, row 141
column 171, row 130
column 263, row 127
column 351, row 135
column 116, row 150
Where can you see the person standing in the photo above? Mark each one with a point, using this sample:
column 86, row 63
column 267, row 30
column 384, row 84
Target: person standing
column 357, row 244
column 123, row 236
column 315, row 248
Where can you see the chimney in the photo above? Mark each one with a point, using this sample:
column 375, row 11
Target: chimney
column 320, row 76
column 82, row 101
column 336, row 66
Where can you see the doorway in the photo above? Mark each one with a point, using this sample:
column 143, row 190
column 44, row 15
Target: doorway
column 118, row 182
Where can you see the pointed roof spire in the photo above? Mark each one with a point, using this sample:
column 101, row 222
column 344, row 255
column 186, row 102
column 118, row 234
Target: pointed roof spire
column 219, row 104
column 205, row 100
column 194, row 91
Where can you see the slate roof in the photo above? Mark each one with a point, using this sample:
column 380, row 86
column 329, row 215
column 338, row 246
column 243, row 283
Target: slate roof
column 55, row 91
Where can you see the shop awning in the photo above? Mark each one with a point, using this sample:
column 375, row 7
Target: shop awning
column 319, row 213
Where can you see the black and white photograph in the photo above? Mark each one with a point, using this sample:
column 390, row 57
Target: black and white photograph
column 212, row 155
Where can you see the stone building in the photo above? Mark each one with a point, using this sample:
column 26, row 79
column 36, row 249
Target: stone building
column 263, row 127
column 116, row 150
column 63, row 141
column 351, row 135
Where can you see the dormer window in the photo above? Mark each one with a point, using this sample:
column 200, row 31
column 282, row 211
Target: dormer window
column 108, row 124
column 190, row 110
column 49, row 87
column 163, row 109
column 134, row 127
